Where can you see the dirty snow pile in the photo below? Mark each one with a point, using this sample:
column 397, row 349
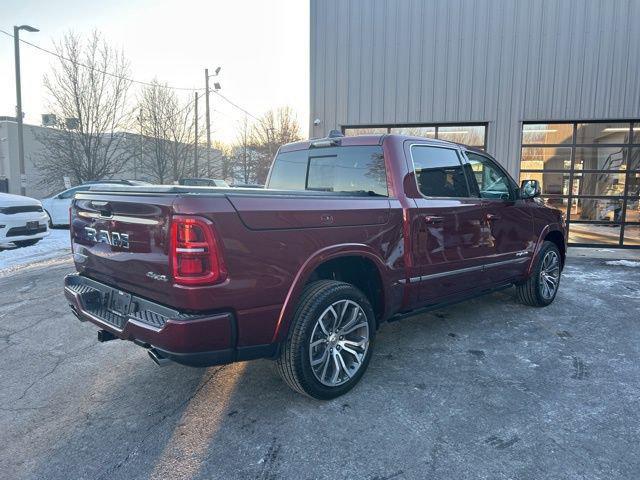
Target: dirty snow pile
column 55, row 246
column 624, row 263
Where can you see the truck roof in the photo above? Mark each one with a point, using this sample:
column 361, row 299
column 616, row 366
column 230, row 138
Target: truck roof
column 361, row 140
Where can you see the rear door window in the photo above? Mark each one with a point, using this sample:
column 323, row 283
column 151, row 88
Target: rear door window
column 438, row 172
column 358, row 169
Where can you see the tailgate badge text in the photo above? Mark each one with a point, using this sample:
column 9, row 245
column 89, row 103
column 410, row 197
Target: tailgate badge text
column 115, row 239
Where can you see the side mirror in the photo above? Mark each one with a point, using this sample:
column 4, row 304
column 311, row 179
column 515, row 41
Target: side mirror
column 530, row 189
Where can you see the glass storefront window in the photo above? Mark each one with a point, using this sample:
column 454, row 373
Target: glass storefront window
column 597, row 209
column 551, row 183
column 633, row 210
column 632, row 235
column 427, row 132
column 547, row 133
column 546, row 158
column 599, row 184
column 350, row 132
column 597, row 158
column 594, row 169
column 633, row 163
column 588, row 133
column 465, row 134
column 594, row 234
column 472, row 135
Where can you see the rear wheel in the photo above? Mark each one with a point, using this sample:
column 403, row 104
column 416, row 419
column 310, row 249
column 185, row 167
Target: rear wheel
column 330, row 341
column 26, row 243
column 542, row 286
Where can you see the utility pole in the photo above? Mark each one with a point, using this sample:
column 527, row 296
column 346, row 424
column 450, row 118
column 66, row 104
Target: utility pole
column 216, row 86
column 16, row 47
column 208, row 119
column 195, row 150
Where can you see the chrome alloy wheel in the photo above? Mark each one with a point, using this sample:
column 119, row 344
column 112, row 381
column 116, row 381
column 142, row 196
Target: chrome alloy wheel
column 339, row 343
column 549, row 275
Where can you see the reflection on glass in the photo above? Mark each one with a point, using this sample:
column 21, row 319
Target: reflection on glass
column 350, row 132
column 632, row 235
column 289, row 171
column 428, row 132
column 550, row 183
column 547, row 133
column 597, row 158
column 597, row 209
column 599, row 184
column 546, row 158
column 472, row 135
column 602, row 133
column 438, row 172
column 636, row 133
column 597, row 234
column 351, row 169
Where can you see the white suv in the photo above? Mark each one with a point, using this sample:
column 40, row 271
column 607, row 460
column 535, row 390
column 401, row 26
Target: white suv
column 23, row 222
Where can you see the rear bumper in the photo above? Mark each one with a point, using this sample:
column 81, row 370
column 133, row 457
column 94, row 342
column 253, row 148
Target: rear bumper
column 192, row 339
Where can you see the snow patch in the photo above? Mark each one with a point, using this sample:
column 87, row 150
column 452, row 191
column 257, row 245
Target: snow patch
column 624, row 263
column 51, row 249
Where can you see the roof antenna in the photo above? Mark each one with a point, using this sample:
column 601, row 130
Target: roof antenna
column 335, row 134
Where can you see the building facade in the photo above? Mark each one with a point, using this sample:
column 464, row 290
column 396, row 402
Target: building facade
column 551, row 88
column 138, row 151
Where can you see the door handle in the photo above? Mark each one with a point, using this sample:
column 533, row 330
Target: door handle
column 492, row 216
column 431, row 220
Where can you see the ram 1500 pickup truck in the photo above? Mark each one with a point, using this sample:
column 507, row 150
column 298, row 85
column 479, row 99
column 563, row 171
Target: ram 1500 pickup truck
column 348, row 233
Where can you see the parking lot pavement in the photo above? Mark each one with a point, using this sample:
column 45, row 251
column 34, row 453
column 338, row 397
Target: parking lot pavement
column 484, row 389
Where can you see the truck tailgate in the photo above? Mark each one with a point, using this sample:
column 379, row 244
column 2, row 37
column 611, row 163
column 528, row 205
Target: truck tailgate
column 123, row 239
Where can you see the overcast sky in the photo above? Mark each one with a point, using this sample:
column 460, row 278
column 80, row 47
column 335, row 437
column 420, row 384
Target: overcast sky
column 262, row 46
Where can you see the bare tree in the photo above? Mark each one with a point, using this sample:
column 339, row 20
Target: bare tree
column 168, row 135
column 243, row 157
column 224, row 160
column 273, row 129
column 88, row 94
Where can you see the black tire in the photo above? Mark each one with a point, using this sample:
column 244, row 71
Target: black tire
column 26, row 243
column 294, row 363
column 532, row 292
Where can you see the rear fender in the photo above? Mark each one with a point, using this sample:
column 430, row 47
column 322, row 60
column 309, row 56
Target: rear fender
column 304, row 273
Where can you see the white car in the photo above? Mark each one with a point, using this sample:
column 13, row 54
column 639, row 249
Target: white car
column 57, row 206
column 22, row 220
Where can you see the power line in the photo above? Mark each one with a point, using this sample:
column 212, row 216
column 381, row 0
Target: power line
column 148, row 84
column 104, row 72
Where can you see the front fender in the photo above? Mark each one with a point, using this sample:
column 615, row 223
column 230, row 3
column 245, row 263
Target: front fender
column 551, row 227
column 307, row 269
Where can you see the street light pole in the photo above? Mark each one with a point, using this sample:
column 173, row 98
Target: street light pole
column 16, row 46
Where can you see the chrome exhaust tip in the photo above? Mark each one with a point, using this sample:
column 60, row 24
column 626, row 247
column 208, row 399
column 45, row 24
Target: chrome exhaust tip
column 157, row 358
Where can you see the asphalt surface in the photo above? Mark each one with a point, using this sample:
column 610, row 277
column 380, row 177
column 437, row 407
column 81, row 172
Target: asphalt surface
column 485, row 389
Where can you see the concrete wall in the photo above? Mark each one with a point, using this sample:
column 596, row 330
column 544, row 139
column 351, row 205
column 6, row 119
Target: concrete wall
column 495, row 61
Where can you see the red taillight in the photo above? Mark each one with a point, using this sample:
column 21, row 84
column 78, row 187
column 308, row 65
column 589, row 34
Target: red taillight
column 195, row 253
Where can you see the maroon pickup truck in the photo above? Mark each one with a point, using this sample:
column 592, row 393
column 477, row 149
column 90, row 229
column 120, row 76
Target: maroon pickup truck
column 349, row 232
